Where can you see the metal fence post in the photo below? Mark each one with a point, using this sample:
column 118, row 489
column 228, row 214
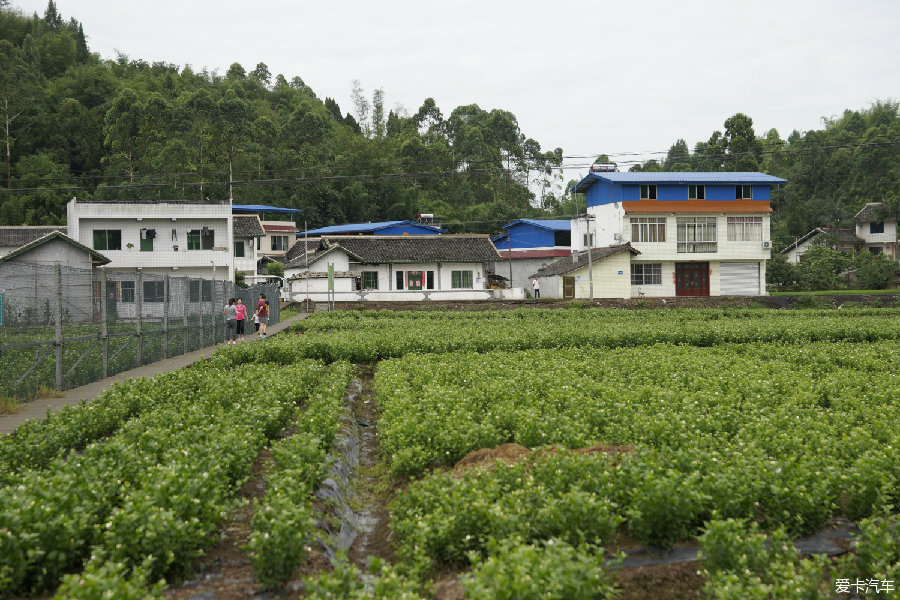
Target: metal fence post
column 139, row 308
column 202, row 303
column 184, row 312
column 59, row 331
column 165, row 353
column 104, row 327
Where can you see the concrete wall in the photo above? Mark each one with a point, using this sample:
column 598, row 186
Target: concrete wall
column 401, row 296
column 247, row 264
column 522, row 269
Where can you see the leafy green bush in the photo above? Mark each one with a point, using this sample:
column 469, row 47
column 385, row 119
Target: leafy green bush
column 548, row 570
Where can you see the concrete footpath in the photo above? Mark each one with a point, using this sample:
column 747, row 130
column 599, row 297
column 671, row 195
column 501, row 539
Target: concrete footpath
column 38, row 409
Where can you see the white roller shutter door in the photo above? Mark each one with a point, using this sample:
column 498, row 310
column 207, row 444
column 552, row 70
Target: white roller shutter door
column 739, row 279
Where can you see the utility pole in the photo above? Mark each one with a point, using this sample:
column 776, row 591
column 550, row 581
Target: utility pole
column 509, row 256
column 590, row 239
column 306, row 255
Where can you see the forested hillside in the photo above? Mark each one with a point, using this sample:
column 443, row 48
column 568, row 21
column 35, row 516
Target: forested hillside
column 126, row 129
column 74, row 124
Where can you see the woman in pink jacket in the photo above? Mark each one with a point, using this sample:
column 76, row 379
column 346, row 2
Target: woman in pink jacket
column 241, row 318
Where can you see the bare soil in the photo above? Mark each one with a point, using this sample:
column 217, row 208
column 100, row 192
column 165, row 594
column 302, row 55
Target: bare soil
column 665, row 582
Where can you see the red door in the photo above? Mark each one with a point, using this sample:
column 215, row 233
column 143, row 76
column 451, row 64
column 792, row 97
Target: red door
column 692, row 279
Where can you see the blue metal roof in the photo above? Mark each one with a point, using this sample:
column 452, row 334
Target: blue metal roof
column 366, row 228
column 680, row 178
column 551, row 224
column 254, row 208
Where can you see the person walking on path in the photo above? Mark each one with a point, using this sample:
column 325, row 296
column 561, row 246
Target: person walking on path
column 230, row 321
column 536, row 286
column 241, row 310
column 262, row 311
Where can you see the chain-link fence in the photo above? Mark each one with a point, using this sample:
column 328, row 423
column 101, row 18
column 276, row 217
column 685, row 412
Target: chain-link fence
column 62, row 327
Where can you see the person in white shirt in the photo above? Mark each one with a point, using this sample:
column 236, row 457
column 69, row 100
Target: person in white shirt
column 536, row 286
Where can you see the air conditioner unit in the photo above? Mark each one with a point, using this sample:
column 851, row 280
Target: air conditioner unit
column 617, row 236
column 767, row 245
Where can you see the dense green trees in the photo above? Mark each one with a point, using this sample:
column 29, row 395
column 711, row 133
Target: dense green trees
column 74, row 124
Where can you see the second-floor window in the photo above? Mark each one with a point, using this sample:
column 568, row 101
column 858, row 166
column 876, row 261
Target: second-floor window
column 196, row 240
column 279, row 243
column 648, row 229
column 696, row 234
column 107, row 239
column 696, row 192
column 744, row 229
column 648, row 192
column 876, row 227
column 743, row 192
column 239, row 250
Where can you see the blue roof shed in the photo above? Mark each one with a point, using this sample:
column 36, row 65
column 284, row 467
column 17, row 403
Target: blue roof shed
column 382, row 228
column 534, row 233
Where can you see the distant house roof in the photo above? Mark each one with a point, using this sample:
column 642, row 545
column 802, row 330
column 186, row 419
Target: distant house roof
column 99, row 259
column 548, row 224
column 19, row 236
column 844, row 237
column 247, row 226
column 567, row 265
column 868, row 213
column 351, row 228
column 258, row 208
column 467, row 248
column 551, row 224
column 680, row 177
column 523, row 253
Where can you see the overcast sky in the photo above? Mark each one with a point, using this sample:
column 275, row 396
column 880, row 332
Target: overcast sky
column 601, row 77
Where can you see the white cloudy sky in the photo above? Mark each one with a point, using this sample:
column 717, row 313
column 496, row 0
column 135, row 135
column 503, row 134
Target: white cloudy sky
column 613, row 77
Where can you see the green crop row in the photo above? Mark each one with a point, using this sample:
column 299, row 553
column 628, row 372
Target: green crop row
column 741, row 562
column 151, row 495
column 786, row 435
column 283, row 521
column 346, row 336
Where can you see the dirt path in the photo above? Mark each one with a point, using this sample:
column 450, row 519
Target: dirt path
column 374, row 494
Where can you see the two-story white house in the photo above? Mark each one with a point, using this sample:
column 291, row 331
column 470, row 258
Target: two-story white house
column 279, row 231
column 181, row 239
column 695, row 234
column 247, row 232
column 877, row 230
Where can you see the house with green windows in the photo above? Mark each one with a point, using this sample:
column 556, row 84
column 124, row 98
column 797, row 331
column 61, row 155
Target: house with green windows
column 392, row 268
column 181, row 239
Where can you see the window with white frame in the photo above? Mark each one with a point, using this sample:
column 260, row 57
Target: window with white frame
column 696, row 234
column 743, row 192
column 744, row 229
column 648, row 229
column 696, row 192
column 648, row 192
column 279, row 243
column 201, row 239
column 646, row 274
column 461, row 280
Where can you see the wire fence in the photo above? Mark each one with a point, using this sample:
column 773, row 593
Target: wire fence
column 62, row 327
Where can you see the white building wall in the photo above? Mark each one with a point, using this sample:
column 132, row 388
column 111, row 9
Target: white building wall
column 170, row 254
column 522, row 269
column 247, row 264
column 612, row 278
